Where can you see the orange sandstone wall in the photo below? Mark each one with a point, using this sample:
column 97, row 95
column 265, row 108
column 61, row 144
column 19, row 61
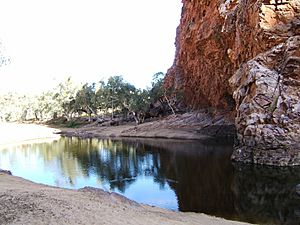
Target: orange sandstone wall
column 215, row 37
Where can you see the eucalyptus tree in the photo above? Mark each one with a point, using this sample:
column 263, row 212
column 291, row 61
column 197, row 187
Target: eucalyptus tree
column 157, row 90
column 14, row 107
column 64, row 98
column 127, row 99
column 86, row 100
column 46, row 106
column 139, row 104
column 159, row 93
column 102, row 96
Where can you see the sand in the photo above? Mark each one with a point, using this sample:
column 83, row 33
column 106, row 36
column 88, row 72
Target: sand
column 14, row 133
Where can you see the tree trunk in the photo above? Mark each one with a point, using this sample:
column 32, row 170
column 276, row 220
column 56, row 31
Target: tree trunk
column 135, row 118
column 169, row 104
column 24, row 115
column 36, row 115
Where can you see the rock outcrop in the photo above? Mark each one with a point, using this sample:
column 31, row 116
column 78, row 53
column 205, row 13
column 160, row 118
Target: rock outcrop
column 243, row 56
column 267, row 93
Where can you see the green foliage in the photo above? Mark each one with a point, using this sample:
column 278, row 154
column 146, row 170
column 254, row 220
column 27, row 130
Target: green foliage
column 65, row 98
column 96, row 99
column 13, row 107
column 86, row 100
column 120, row 92
column 59, row 101
column 120, row 96
column 157, row 90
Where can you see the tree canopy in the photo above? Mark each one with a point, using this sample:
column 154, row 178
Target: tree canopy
column 95, row 100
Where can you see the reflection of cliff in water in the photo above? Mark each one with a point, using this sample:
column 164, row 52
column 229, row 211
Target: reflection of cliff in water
column 266, row 194
column 204, row 176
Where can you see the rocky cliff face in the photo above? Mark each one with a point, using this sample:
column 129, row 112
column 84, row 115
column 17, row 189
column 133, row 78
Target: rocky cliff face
column 243, row 56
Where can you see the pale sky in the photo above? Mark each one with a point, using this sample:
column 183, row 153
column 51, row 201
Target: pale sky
column 49, row 40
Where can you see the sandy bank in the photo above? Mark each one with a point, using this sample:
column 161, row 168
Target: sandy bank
column 12, row 133
column 24, row 202
column 132, row 131
column 188, row 126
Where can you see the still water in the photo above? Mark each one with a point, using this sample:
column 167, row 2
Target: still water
column 177, row 175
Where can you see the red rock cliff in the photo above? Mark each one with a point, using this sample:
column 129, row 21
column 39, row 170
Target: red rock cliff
column 255, row 42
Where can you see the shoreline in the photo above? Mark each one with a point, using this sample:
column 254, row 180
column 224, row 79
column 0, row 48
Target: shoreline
column 131, row 131
column 23, row 201
column 188, row 126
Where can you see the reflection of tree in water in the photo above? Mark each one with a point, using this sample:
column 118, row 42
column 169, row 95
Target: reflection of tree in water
column 114, row 162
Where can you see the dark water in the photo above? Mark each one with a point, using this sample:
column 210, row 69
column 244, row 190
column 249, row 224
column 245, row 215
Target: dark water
column 185, row 176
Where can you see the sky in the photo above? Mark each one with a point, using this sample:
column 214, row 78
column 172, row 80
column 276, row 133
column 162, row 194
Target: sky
column 88, row 40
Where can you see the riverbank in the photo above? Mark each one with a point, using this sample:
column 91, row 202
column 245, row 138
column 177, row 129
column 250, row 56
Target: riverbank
column 24, row 202
column 188, row 126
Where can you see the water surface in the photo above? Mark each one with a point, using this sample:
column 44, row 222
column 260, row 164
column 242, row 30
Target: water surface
column 177, row 175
